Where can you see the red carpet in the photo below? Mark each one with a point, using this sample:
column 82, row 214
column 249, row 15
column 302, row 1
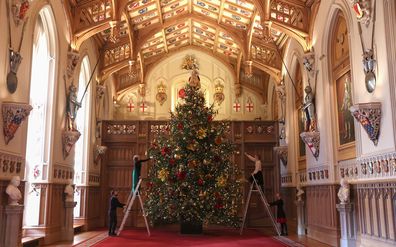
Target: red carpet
column 211, row 238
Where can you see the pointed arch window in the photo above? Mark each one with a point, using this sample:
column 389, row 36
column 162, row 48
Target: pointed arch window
column 82, row 122
column 41, row 97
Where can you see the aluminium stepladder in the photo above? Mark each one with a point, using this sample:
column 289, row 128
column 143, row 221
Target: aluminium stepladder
column 131, row 199
column 254, row 187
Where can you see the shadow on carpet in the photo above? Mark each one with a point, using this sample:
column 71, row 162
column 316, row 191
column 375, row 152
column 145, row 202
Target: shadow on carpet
column 171, row 237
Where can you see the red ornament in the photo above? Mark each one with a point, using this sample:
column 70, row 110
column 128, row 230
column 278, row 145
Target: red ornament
column 172, row 161
column 182, row 93
column 200, row 182
column 219, row 205
column 164, row 151
column 181, row 175
column 180, row 126
column 210, row 118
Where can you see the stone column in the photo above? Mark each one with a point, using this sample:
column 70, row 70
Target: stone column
column 300, row 217
column 13, row 225
column 348, row 236
column 68, row 229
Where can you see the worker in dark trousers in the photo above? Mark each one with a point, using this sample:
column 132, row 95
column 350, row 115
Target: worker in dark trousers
column 280, row 214
column 114, row 204
column 137, row 166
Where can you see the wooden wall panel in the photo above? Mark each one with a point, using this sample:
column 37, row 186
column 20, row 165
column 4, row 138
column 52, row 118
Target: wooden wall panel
column 376, row 210
column 322, row 215
column 93, row 209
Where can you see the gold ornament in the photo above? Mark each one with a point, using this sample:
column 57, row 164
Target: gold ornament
column 191, row 146
column 221, row 181
column 201, row 134
column 163, row 174
column 177, row 156
column 206, row 162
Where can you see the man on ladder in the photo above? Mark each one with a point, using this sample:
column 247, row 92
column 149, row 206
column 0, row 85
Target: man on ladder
column 256, row 180
column 136, row 182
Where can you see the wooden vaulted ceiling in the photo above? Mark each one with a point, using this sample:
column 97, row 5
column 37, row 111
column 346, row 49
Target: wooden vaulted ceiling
column 144, row 31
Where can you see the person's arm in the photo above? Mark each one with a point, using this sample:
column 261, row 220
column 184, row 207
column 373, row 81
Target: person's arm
column 145, row 160
column 119, row 204
column 274, row 203
column 250, row 157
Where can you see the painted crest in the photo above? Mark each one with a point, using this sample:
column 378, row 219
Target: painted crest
column 161, row 93
column 13, row 115
column 69, row 138
column 312, row 140
column 369, row 116
column 219, row 95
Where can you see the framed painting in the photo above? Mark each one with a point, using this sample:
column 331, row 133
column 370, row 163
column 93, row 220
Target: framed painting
column 346, row 128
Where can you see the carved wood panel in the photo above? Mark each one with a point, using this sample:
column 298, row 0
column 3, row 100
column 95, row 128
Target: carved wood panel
column 322, row 215
column 376, row 210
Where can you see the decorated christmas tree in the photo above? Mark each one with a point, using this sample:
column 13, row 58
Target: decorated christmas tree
column 193, row 177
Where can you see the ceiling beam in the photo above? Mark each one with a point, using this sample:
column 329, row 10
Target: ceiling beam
column 131, row 35
column 221, row 11
column 273, row 72
column 250, row 35
column 159, row 11
column 164, row 40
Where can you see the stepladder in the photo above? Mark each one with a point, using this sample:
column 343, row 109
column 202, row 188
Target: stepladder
column 131, row 199
column 254, row 187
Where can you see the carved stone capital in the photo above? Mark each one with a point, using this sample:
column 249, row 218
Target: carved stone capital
column 99, row 151
column 69, row 138
column 369, row 116
column 309, row 63
column 100, row 91
column 72, row 61
column 282, row 153
column 249, row 69
column 312, row 140
column 13, row 115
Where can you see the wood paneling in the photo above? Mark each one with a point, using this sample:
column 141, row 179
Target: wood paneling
column 322, row 215
column 376, row 211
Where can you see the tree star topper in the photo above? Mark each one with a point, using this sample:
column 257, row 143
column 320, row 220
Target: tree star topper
column 190, row 63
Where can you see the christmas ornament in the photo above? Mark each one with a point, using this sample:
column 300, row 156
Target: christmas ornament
column 182, row 93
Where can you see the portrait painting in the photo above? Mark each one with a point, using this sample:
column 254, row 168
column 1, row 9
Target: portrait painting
column 346, row 128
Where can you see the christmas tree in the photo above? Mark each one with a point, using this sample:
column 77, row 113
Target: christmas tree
column 193, row 177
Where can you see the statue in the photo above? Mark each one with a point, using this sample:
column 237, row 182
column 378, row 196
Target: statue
column 13, row 191
column 299, row 193
column 343, row 192
column 309, row 110
column 72, row 106
column 346, row 104
column 281, row 91
column 69, row 192
column 194, row 80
